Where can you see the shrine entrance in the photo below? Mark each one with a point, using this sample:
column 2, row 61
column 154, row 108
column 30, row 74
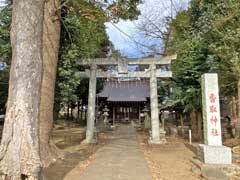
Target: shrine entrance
column 149, row 68
column 125, row 99
column 125, row 114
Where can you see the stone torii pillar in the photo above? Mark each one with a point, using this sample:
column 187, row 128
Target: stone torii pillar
column 91, row 105
column 155, row 135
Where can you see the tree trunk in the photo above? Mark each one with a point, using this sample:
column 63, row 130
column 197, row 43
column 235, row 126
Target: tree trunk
column 71, row 112
column 78, row 111
column 237, row 126
column 68, row 113
column 233, row 108
column 81, row 114
column 85, row 117
column 238, row 103
column 19, row 151
column 199, row 125
column 51, row 39
column 176, row 119
column 193, row 117
column 182, row 125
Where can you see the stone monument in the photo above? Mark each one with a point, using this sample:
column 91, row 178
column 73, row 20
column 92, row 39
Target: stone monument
column 212, row 151
column 162, row 131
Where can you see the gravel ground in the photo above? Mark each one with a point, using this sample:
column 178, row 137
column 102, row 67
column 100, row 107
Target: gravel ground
column 170, row 161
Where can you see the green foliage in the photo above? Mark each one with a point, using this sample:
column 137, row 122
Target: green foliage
column 84, row 27
column 191, row 63
column 206, row 39
column 5, row 53
column 5, row 21
column 69, row 79
column 223, row 33
column 84, row 37
column 4, row 74
column 124, row 9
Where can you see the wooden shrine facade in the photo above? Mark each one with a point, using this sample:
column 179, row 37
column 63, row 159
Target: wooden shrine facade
column 125, row 99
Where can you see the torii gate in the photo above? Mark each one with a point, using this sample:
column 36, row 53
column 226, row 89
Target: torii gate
column 152, row 73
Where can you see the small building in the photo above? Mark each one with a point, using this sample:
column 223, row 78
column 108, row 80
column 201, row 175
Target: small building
column 125, row 99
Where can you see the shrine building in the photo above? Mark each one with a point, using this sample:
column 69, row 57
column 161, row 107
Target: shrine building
column 125, row 99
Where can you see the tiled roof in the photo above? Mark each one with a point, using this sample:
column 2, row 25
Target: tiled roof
column 126, row 91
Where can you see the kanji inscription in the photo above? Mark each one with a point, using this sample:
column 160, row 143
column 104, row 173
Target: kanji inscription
column 211, row 110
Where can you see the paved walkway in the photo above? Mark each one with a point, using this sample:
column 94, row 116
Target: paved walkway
column 120, row 159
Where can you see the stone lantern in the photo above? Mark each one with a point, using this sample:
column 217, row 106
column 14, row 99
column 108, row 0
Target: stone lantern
column 162, row 132
column 105, row 115
column 147, row 121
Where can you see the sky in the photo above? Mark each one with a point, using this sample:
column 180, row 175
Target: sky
column 129, row 40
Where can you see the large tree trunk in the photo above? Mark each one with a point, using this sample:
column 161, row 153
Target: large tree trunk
column 19, row 151
column 51, row 38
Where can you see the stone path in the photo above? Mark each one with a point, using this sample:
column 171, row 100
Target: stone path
column 120, row 159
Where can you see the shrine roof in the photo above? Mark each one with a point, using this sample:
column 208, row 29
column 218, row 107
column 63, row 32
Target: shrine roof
column 126, row 91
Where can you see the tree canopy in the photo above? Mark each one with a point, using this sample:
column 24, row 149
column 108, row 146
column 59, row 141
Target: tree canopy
column 83, row 36
column 206, row 39
column 5, row 21
column 5, row 53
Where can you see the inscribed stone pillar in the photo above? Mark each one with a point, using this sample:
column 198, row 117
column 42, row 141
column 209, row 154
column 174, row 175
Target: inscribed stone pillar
column 155, row 139
column 91, row 105
column 212, row 151
column 211, row 110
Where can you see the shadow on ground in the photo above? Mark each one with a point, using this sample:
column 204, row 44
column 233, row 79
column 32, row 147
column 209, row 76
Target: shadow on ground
column 68, row 139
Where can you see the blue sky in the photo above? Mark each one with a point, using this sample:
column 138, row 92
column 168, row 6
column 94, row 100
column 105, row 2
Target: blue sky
column 126, row 36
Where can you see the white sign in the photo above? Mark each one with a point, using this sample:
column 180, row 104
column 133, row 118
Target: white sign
column 211, row 110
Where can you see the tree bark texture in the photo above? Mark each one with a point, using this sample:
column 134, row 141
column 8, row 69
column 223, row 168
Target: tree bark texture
column 51, row 39
column 78, row 111
column 194, row 124
column 182, row 124
column 68, row 111
column 71, row 112
column 238, row 102
column 81, row 114
column 200, row 125
column 234, row 110
column 19, row 151
column 237, row 126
